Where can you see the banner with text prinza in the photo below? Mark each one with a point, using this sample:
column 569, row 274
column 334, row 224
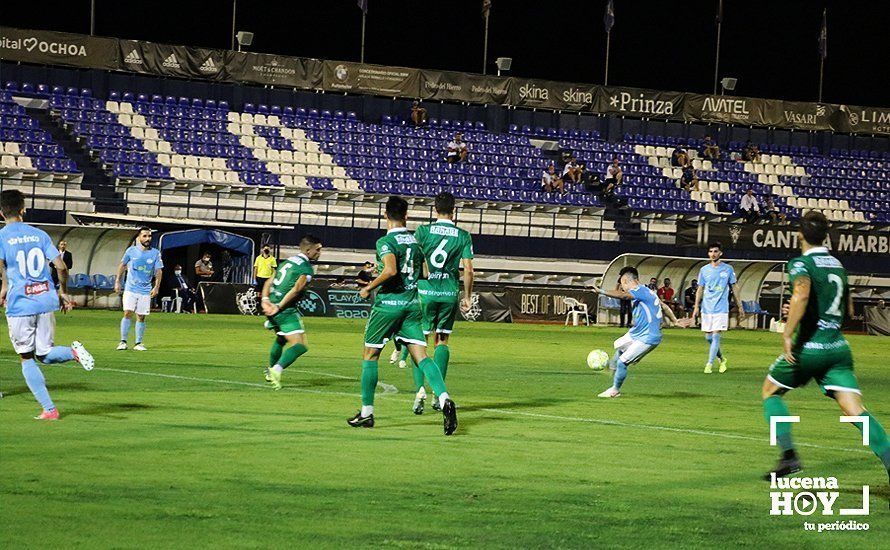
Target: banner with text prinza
column 637, row 102
column 58, row 48
column 275, row 70
column 778, row 238
column 548, row 94
column 343, row 76
column 472, row 88
column 177, row 61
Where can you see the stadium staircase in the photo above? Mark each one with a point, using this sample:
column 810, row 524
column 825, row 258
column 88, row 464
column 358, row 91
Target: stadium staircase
column 95, row 180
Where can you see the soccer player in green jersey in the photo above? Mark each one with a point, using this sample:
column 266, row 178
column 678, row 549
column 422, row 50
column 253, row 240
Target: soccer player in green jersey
column 280, row 296
column 396, row 314
column 814, row 347
column 445, row 247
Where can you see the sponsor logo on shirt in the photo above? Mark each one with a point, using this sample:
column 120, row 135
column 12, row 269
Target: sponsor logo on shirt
column 34, row 289
column 24, row 239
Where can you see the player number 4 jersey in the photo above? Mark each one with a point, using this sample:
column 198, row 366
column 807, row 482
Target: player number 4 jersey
column 401, row 290
column 286, row 277
column 444, row 246
column 820, row 327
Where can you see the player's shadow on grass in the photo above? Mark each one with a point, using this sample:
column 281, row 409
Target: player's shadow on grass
column 676, row 394
column 23, row 390
column 514, row 405
column 108, row 409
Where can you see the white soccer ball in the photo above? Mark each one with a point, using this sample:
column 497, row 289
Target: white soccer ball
column 597, row 359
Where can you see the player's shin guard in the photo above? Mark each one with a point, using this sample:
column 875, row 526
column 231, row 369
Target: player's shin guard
column 715, row 347
column 417, row 374
column 620, row 374
column 441, row 356
column 125, row 328
column 37, row 384
column 433, row 375
column 140, row 331
column 369, row 382
column 58, row 354
column 291, row 354
column 275, row 352
column 775, row 406
column 877, row 439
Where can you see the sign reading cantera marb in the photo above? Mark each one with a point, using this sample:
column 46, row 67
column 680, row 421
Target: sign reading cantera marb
column 779, row 238
column 77, row 50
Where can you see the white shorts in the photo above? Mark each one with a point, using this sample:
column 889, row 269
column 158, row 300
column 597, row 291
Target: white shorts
column 140, row 303
column 632, row 350
column 711, row 322
column 33, row 333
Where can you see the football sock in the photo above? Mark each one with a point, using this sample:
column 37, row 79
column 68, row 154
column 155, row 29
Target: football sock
column 877, row 439
column 418, row 377
column 290, row 355
column 404, row 355
column 140, row 331
column 620, row 374
column 715, row 347
column 433, row 376
column 125, row 328
column 441, row 356
column 775, row 406
column 58, row 354
column 369, row 383
column 37, row 384
column 709, row 339
column 614, row 360
column 275, row 352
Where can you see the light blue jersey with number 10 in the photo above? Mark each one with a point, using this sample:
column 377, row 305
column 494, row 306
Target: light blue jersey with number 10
column 27, row 252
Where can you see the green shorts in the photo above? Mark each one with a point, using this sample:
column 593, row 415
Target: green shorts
column 402, row 324
column 831, row 369
column 438, row 317
column 286, row 322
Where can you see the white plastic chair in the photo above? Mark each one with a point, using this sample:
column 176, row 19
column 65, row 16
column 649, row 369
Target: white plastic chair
column 576, row 307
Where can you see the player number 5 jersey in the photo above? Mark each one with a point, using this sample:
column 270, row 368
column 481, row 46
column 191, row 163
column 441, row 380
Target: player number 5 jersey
column 820, row 327
column 286, row 277
column 444, row 246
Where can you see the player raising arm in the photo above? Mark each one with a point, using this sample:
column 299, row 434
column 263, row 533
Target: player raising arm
column 30, row 298
column 814, row 347
column 280, row 296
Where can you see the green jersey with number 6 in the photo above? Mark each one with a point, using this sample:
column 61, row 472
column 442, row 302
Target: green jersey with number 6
column 444, row 246
column 401, row 290
column 286, row 276
column 820, row 328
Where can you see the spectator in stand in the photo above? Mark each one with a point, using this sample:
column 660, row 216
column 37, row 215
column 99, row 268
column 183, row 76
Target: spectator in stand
column 589, row 180
column 749, row 207
column 264, row 267
column 625, row 313
column 185, row 292
column 571, row 172
column 204, row 268
column 689, row 298
column 457, row 149
column 613, row 179
column 365, row 276
column 666, row 292
column 688, row 179
column 679, row 157
column 66, row 257
column 751, row 153
column 709, row 149
column 771, row 211
column 418, row 115
column 653, row 284
column 550, row 182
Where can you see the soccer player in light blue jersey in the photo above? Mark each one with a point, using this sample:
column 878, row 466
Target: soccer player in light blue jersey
column 141, row 263
column 31, row 299
column 645, row 334
column 715, row 282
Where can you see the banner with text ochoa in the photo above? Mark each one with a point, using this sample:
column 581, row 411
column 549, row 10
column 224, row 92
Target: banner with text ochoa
column 77, row 50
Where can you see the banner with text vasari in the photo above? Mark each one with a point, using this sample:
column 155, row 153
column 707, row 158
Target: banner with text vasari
column 275, row 70
column 547, row 94
column 453, row 86
column 58, row 48
column 807, row 116
column 636, row 102
column 343, row 76
column 778, row 238
column 176, row 61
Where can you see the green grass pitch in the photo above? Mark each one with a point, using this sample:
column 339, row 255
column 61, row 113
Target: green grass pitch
column 186, row 446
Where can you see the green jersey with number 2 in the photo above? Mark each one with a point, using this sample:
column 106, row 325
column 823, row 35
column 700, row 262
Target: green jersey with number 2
column 820, row 328
column 444, row 246
column 287, row 275
column 401, row 290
